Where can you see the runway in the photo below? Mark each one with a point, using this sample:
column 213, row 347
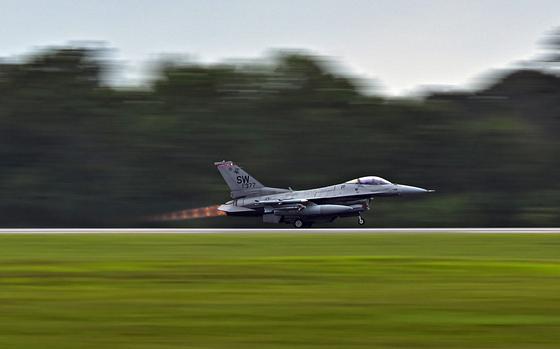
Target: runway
column 285, row 231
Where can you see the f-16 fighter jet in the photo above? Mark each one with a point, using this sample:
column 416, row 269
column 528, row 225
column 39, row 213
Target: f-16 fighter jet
column 302, row 208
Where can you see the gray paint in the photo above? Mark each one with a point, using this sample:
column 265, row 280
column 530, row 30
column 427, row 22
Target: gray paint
column 275, row 205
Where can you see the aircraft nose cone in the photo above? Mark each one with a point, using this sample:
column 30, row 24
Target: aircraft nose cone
column 408, row 190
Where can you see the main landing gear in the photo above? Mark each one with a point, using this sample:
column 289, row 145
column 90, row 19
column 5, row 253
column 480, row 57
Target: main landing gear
column 361, row 221
column 298, row 223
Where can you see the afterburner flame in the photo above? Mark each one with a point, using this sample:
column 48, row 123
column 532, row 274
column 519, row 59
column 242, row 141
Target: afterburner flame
column 193, row 213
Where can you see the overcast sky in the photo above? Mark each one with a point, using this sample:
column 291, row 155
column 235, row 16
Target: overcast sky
column 402, row 44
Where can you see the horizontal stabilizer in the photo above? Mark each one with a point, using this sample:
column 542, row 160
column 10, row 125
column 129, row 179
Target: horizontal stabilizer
column 235, row 209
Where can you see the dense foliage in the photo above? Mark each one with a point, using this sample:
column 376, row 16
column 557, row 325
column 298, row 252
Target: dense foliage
column 76, row 151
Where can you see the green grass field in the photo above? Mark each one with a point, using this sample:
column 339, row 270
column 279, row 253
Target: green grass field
column 280, row 291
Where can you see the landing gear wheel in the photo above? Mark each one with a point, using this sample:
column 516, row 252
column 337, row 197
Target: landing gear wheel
column 298, row 223
column 361, row 221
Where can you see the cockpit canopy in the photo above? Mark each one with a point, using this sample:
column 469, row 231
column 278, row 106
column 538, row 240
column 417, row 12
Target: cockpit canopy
column 369, row 180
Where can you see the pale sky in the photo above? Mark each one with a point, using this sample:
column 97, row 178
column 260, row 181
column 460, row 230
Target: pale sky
column 401, row 44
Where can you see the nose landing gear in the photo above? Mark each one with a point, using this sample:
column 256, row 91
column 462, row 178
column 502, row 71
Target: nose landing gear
column 361, row 221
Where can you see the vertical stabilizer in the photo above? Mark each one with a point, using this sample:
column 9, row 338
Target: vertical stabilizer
column 239, row 182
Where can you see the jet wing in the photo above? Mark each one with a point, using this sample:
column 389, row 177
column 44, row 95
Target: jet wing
column 279, row 202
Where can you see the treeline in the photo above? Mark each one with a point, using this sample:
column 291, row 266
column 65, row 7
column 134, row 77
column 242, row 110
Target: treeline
column 77, row 151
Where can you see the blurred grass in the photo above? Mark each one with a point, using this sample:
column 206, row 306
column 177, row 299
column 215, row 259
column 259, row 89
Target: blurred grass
column 280, row 291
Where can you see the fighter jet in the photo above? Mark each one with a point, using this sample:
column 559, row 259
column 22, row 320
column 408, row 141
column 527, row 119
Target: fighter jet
column 302, row 208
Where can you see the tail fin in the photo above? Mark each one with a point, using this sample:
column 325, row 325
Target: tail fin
column 239, row 182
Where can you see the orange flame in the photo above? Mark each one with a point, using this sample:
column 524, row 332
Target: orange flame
column 193, row 213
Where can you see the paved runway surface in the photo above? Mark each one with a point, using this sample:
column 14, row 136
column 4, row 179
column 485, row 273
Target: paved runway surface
column 289, row 230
